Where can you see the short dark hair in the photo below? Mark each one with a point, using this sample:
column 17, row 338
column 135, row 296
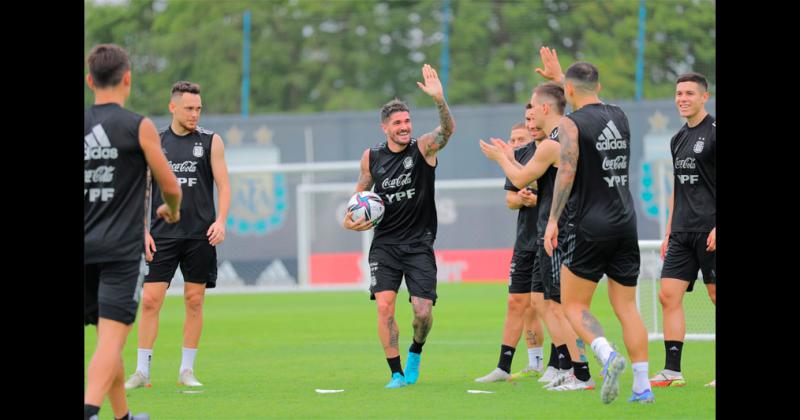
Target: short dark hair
column 693, row 77
column 585, row 75
column 395, row 105
column 182, row 87
column 555, row 93
column 518, row 126
column 107, row 64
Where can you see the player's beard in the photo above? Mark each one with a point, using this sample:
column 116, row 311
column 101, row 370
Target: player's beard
column 188, row 126
column 396, row 139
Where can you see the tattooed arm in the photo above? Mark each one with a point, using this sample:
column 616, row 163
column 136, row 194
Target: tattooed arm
column 364, row 183
column 431, row 143
column 568, row 165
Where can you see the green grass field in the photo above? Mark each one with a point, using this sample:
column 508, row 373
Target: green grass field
column 263, row 355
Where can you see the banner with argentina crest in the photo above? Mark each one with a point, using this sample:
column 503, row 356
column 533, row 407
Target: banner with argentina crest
column 258, row 200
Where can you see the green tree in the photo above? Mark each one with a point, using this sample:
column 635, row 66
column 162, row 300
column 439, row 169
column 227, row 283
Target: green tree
column 314, row 55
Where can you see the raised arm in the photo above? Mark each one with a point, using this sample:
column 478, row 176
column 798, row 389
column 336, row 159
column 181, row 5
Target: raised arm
column 552, row 68
column 431, row 143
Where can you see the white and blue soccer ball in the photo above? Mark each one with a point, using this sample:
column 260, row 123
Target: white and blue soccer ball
column 367, row 204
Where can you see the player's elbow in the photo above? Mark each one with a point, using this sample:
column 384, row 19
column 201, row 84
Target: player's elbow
column 568, row 174
column 451, row 128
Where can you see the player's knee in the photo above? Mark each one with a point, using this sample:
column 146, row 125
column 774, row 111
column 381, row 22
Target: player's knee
column 516, row 305
column 151, row 302
column 668, row 298
column 194, row 302
column 422, row 314
column 385, row 309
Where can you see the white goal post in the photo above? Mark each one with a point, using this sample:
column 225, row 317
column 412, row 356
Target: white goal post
column 700, row 312
column 318, row 193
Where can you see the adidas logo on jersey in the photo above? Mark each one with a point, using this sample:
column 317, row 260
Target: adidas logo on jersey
column 97, row 146
column 611, row 139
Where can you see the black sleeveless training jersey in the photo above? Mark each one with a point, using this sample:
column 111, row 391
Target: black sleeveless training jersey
column 526, row 218
column 547, row 184
column 189, row 157
column 404, row 181
column 694, row 156
column 114, row 174
column 600, row 203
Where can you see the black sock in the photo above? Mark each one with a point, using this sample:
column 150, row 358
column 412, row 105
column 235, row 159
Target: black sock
column 553, row 356
column 394, row 364
column 674, row 349
column 564, row 360
column 506, row 356
column 416, row 347
column 126, row 417
column 581, row 370
column 90, row 410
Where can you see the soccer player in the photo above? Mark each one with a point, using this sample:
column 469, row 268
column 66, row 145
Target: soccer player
column 524, row 277
column 118, row 147
column 600, row 226
column 197, row 156
column 547, row 107
column 690, row 241
column 402, row 170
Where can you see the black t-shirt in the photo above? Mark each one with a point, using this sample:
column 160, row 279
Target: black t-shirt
column 694, row 157
column 189, row 157
column 601, row 204
column 114, row 173
column 546, row 187
column 405, row 182
column 526, row 218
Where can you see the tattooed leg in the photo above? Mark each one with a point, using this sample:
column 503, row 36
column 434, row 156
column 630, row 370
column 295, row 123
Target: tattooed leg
column 387, row 325
column 423, row 318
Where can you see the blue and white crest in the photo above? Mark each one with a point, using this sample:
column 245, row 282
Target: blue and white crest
column 258, row 205
column 197, row 151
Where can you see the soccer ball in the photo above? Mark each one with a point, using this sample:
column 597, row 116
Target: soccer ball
column 367, row 204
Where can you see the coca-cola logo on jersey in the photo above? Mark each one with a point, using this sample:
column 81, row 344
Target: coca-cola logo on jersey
column 187, row 166
column 620, row 162
column 400, row 181
column 688, row 163
column 611, row 144
column 99, row 174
